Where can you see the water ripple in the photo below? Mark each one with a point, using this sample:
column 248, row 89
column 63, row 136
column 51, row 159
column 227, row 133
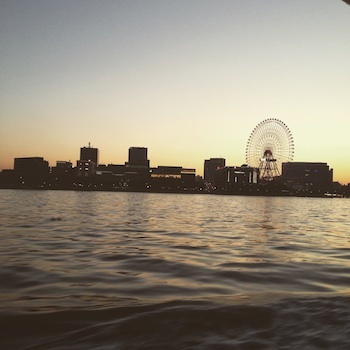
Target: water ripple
column 136, row 270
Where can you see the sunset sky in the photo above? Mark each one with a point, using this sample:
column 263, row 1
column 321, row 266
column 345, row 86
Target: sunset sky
column 189, row 79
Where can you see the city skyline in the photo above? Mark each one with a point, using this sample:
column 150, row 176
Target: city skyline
column 188, row 80
column 88, row 165
column 294, row 179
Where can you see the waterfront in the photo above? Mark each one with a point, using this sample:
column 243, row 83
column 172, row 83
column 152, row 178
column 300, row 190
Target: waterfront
column 114, row 270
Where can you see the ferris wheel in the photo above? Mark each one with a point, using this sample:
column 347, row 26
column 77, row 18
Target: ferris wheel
column 269, row 145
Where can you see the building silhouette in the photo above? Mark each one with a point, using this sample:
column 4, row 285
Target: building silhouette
column 173, row 178
column 138, row 157
column 89, row 154
column 31, row 171
column 62, row 175
column 298, row 178
column 87, row 164
column 111, row 168
column 64, row 166
column 31, row 165
column 234, row 179
column 210, row 167
column 86, row 168
column 307, row 176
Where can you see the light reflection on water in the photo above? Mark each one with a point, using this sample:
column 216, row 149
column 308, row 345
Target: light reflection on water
column 83, row 251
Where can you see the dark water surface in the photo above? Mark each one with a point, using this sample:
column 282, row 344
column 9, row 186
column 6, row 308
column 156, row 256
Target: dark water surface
column 103, row 270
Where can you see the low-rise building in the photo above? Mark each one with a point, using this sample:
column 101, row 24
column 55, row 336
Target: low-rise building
column 307, row 176
column 235, row 178
column 31, row 171
column 173, row 178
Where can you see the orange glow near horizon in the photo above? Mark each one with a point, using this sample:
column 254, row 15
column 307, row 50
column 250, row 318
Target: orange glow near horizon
column 187, row 82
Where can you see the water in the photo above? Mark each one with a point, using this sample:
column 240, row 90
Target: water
column 103, row 270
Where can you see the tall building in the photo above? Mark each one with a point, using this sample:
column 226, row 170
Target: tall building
column 86, row 165
column 89, row 154
column 210, row 167
column 138, row 157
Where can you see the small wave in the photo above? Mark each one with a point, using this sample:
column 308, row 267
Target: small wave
column 286, row 324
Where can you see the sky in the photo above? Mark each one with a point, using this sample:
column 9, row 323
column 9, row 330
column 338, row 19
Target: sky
column 188, row 79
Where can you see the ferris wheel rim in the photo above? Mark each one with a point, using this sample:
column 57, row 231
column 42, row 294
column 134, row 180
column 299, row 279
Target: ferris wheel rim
column 270, row 134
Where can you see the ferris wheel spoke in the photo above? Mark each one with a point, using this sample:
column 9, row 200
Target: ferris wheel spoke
column 274, row 136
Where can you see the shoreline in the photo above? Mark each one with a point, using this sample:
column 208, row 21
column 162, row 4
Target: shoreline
column 255, row 193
